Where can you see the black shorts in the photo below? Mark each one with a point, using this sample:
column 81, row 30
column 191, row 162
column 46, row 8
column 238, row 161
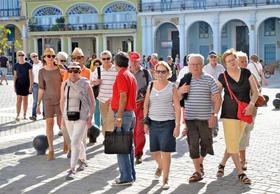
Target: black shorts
column 22, row 88
column 161, row 136
column 199, row 138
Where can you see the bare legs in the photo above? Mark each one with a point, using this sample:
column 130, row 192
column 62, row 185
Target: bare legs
column 163, row 160
column 20, row 100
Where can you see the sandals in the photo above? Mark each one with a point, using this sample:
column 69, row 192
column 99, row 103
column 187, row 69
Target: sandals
column 195, row 177
column 202, row 169
column 221, row 169
column 244, row 179
column 158, row 173
column 244, row 165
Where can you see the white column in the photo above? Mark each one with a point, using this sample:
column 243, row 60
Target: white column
column 35, row 43
column 252, row 34
column 216, row 34
column 24, row 38
column 150, row 36
column 104, row 42
column 62, row 43
column 135, row 42
column 144, row 36
column 69, row 44
column 182, row 35
column 97, row 46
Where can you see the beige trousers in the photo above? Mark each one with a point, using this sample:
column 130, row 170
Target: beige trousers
column 107, row 116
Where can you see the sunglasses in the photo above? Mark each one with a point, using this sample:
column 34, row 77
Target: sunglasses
column 50, row 56
column 63, row 61
column 73, row 71
column 161, row 72
column 108, row 58
column 21, row 55
column 34, row 56
column 77, row 58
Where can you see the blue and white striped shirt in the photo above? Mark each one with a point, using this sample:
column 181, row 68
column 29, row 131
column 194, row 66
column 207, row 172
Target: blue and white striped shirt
column 198, row 105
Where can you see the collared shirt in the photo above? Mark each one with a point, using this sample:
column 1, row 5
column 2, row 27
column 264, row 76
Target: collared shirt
column 125, row 82
column 214, row 71
column 256, row 69
column 35, row 71
column 107, row 80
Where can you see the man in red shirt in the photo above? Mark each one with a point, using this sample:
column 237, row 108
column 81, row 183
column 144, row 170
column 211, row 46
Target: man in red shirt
column 123, row 104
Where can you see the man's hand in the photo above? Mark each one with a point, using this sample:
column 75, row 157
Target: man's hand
column 38, row 109
column 146, row 129
column 184, row 88
column 118, row 122
column 212, row 121
column 176, row 131
column 97, row 82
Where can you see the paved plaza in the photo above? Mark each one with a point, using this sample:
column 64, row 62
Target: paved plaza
column 22, row 171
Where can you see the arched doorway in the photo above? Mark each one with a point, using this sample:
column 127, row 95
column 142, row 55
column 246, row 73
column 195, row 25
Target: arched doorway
column 269, row 40
column 235, row 34
column 167, row 41
column 200, row 38
column 14, row 41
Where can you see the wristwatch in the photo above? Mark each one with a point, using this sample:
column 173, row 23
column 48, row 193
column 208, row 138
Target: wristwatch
column 214, row 114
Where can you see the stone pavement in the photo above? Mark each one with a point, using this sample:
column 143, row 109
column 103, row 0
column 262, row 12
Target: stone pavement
column 22, row 171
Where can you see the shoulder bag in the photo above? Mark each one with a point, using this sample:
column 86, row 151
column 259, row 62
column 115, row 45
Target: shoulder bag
column 240, row 106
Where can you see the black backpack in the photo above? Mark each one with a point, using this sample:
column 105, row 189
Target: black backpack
column 186, row 79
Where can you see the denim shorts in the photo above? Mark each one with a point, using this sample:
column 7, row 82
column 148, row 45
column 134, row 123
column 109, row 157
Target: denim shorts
column 161, row 136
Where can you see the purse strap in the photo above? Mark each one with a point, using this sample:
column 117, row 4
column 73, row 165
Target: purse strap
column 67, row 105
column 229, row 89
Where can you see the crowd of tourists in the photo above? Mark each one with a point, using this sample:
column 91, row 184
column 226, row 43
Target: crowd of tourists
column 146, row 95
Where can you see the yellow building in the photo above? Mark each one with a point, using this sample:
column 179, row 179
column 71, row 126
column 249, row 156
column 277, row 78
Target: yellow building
column 93, row 25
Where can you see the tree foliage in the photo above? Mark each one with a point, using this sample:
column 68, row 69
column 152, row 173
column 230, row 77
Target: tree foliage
column 4, row 42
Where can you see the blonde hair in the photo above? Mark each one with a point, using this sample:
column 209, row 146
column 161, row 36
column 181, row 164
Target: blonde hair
column 106, row 52
column 20, row 53
column 164, row 64
column 228, row 53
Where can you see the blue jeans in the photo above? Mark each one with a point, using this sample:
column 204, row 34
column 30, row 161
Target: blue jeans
column 35, row 98
column 97, row 113
column 126, row 161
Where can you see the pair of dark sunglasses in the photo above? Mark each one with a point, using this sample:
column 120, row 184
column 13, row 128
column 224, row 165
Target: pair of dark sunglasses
column 50, row 56
column 63, row 61
column 21, row 55
column 34, row 56
column 73, row 71
column 104, row 59
column 162, row 72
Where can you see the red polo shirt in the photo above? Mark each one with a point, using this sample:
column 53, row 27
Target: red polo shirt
column 125, row 82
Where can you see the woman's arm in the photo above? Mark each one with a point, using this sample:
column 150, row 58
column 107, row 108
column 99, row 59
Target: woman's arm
column 31, row 80
column 15, row 79
column 62, row 100
column 254, row 90
column 177, row 107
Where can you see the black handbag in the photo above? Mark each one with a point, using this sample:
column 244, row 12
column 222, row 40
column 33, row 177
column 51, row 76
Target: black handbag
column 118, row 142
column 72, row 115
column 96, row 88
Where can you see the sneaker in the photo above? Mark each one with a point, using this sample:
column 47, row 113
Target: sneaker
column 138, row 160
column 165, row 186
column 122, row 183
column 70, row 175
column 158, row 173
column 17, row 118
column 60, row 133
column 33, row 118
column 82, row 165
column 69, row 154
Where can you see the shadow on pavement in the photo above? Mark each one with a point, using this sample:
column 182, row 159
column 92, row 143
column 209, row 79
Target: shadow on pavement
column 229, row 183
column 150, row 187
column 192, row 188
column 5, row 127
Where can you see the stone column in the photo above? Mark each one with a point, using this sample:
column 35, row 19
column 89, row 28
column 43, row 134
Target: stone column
column 182, row 35
column 216, row 34
column 149, row 36
column 134, row 42
column 104, row 42
column 69, row 43
column 62, row 43
column 24, row 37
column 252, row 34
column 35, row 43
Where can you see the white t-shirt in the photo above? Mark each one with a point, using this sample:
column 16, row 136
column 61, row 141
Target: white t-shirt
column 182, row 72
column 214, row 71
column 256, row 69
column 35, row 71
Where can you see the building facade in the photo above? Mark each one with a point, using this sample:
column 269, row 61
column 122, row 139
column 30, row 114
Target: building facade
column 171, row 27
column 13, row 17
column 92, row 25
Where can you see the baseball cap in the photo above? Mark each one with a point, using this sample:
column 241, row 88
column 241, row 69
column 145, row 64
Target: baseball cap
column 212, row 53
column 74, row 65
column 134, row 56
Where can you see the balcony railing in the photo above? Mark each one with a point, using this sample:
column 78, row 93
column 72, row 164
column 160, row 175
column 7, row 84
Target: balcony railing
column 77, row 27
column 15, row 12
column 171, row 5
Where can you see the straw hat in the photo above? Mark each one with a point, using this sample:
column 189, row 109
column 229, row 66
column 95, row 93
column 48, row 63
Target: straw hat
column 78, row 52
